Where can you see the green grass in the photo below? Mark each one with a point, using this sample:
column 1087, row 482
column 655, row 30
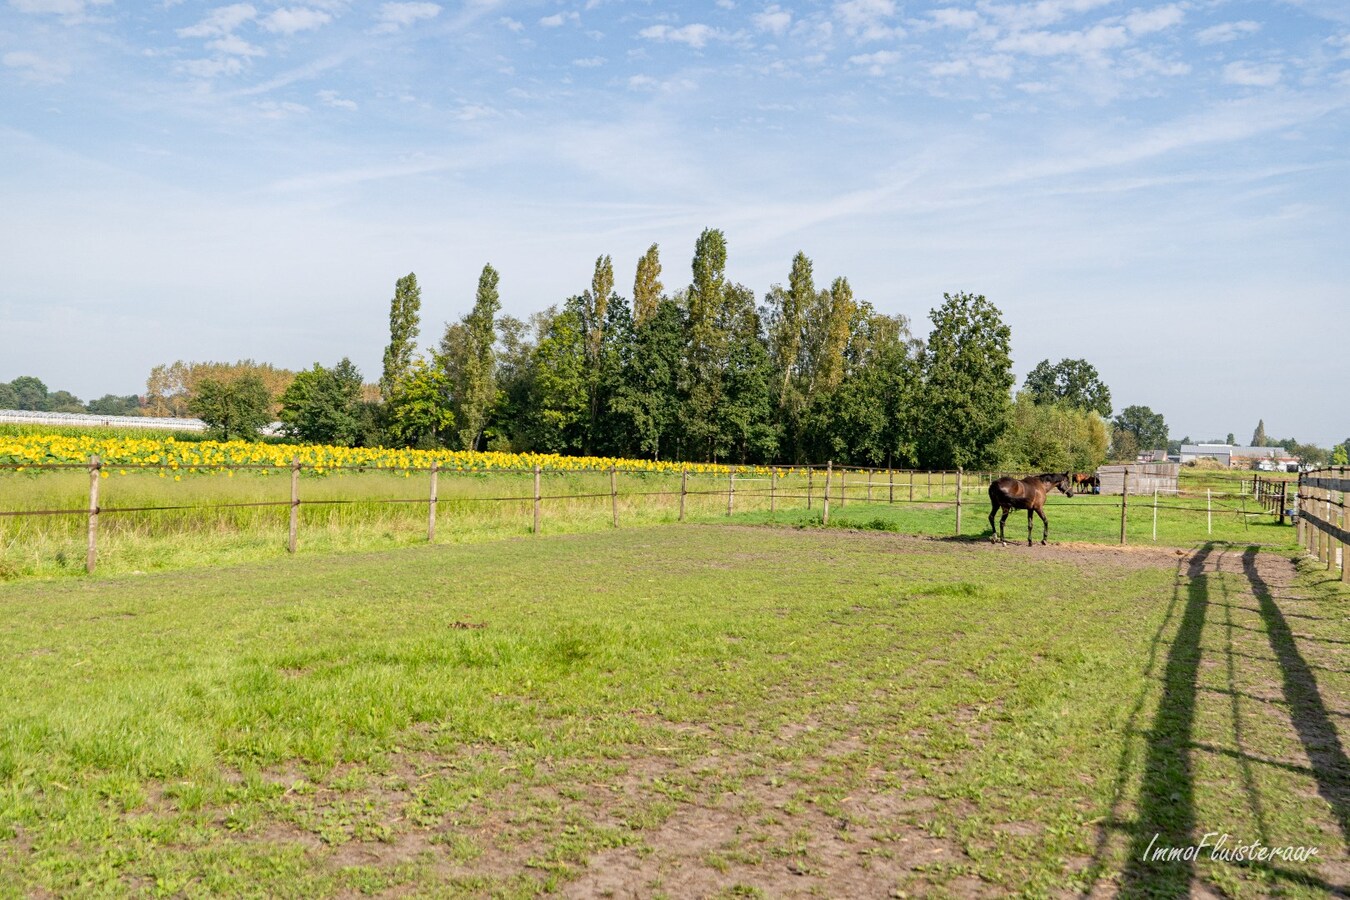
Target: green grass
column 54, row 546
column 732, row 711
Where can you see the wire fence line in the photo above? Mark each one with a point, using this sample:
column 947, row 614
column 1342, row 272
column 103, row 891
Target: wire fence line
column 812, row 488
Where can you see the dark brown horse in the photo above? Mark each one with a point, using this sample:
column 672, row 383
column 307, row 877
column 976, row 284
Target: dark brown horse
column 1086, row 483
column 1008, row 494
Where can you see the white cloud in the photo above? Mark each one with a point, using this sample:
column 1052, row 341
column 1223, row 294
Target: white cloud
column 949, row 68
column 470, row 112
column 334, row 100
column 393, row 16
column 71, row 11
column 511, row 24
column 1159, row 19
column 1228, row 31
column 221, row 21
column 1056, row 43
column 235, row 46
column 866, row 19
column 272, row 109
column 210, row 68
column 32, row 67
column 641, row 83
column 558, row 19
column 950, row 17
column 300, row 18
column 1037, row 15
column 774, row 19
column 695, row 35
column 875, row 63
column 1253, row 74
column 589, row 62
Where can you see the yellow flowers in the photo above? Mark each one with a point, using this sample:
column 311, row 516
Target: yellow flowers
column 205, row 457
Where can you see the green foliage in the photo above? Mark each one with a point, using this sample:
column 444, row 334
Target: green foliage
column 648, row 292
column 644, row 397
column 557, row 407
column 468, row 357
column 234, row 409
column 1071, row 382
column 1146, row 427
column 1340, row 455
column 112, row 405
column 418, row 414
column 964, row 400
column 1259, row 435
column 29, row 393
column 405, row 314
column 323, row 406
column 1052, row 438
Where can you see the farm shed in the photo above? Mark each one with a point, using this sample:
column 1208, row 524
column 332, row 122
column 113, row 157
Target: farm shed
column 1145, row 478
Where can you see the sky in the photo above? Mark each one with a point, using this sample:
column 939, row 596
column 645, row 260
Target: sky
column 1162, row 189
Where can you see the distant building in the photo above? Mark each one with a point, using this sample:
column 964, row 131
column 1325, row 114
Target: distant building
column 1235, row 457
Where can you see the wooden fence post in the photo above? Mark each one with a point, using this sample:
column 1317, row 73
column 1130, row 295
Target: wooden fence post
column 825, row 515
column 869, row 485
column 431, row 515
column 930, row 484
column 773, row 490
column 1124, row 501
column 890, row 485
column 614, row 493
column 91, row 555
column 1209, row 511
column 911, row 485
column 810, row 483
column 958, row 501
column 684, row 488
column 538, row 500
column 843, row 497
column 295, row 502
column 1155, row 515
column 731, row 490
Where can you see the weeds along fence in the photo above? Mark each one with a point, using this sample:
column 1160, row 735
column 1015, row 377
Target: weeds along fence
column 1323, row 530
column 62, row 518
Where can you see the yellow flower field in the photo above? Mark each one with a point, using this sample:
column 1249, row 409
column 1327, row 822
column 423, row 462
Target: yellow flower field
column 35, row 450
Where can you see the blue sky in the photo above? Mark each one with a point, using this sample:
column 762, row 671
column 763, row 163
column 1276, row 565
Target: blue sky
column 1159, row 188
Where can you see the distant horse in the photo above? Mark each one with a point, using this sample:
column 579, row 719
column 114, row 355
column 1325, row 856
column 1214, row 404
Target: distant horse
column 1008, row 494
column 1084, row 483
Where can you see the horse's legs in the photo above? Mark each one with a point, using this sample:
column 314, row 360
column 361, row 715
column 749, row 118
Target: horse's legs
column 1045, row 530
column 1001, row 522
column 993, row 532
column 1029, row 512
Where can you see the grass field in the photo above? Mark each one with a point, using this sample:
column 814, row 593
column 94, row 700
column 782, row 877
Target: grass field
column 678, row 711
column 345, row 511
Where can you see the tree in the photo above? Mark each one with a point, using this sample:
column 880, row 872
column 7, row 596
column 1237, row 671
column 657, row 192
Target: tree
column 1071, row 382
column 646, row 396
column 966, row 377
column 1231, row 440
column 418, row 412
column 1147, row 427
column 29, row 393
column 558, row 406
column 707, row 344
column 171, row 389
column 9, row 398
column 468, row 357
column 1053, row 437
column 1259, row 435
column 405, row 315
column 1124, row 445
column 648, row 291
column 786, row 324
column 1340, row 455
column 239, row 408
column 63, row 401
column 323, row 406
column 593, row 306
column 113, row 405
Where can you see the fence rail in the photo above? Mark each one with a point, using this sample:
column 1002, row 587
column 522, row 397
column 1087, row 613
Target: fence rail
column 810, row 487
column 1323, row 528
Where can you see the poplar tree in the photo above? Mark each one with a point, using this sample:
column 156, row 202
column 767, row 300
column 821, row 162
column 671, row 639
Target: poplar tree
column 405, row 314
column 594, row 307
column 468, row 357
column 647, row 287
column 705, row 303
column 1259, row 435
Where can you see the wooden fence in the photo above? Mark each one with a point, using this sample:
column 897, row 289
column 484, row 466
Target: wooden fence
column 1322, row 526
column 1144, row 478
column 780, row 488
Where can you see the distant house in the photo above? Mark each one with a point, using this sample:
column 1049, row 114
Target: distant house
column 1235, row 457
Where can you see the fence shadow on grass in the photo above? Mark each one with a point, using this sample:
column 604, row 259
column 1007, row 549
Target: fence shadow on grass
column 1165, row 810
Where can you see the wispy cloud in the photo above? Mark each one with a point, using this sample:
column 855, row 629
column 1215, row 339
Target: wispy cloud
column 335, row 100
column 35, row 67
column 290, row 21
column 221, row 21
column 394, row 16
column 557, row 20
column 695, row 35
column 868, row 20
column 773, row 19
column 1250, row 74
column 1227, row 31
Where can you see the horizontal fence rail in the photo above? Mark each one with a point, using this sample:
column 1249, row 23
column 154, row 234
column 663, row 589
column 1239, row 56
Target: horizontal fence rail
column 1323, row 526
column 814, row 488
